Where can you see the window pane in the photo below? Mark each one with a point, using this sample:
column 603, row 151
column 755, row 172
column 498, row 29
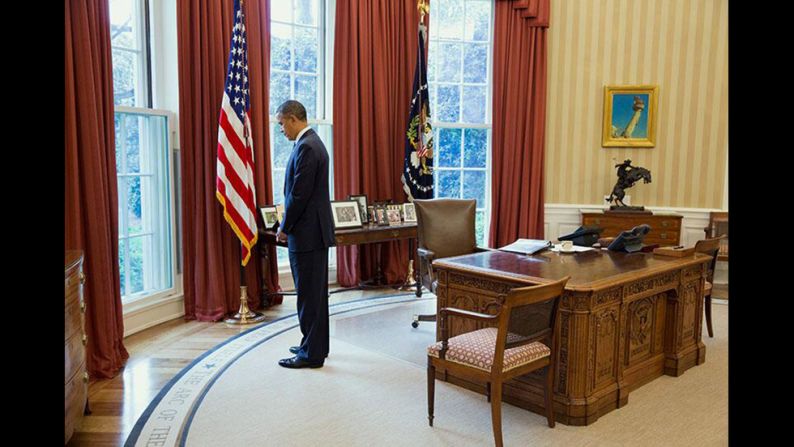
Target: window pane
column 448, row 58
column 448, row 184
column 473, row 104
column 125, row 75
column 279, row 90
column 281, row 10
column 136, row 264
column 448, row 103
column 478, row 21
column 450, row 18
column 133, row 144
column 282, row 255
column 474, row 146
column 134, row 220
column 431, row 65
column 278, row 186
column 281, row 148
column 117, row 121
column 306, row 93
column 474, row 186
column 306, row 12
column 306, row 50
column 280, row 45
column 475, row 61
column 122, row 268
column 449, row 148
column 145, row 205
column 479, row 228
column 122, row 24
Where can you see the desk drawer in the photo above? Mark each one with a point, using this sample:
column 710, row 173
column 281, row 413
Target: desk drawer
column 74, row 354
column 663, row 238
column 76, row 395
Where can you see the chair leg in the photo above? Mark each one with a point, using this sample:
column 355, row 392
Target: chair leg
column 496, row 412
column 547, row 394
column 708, row 316
column 488, row 390
column 431, row 390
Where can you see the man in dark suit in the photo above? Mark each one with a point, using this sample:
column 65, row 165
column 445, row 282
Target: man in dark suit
column 308, row 229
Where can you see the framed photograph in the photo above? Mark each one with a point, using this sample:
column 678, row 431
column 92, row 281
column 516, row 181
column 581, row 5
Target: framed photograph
column 393, row 216
column 371, row 214
column 346, row 214
column 362, row 206
column 270, row 216
column 381, row 218
column 630, row 116
column 409, row 212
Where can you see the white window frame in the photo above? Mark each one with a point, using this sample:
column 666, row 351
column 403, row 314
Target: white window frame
column 325, row 68
column 145, row 310
column 142, row 87
column 438, row 125
column 176, row 286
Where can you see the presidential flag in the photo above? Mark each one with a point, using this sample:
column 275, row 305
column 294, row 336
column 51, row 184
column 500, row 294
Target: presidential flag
column 234, row 187
column 417, row 176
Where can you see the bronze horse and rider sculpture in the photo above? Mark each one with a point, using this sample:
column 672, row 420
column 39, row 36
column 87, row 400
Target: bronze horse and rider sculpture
column 627, row 176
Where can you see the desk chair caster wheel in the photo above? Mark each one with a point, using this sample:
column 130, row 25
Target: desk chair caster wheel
column 415, row 323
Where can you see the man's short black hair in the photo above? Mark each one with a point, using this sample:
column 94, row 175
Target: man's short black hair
column 294, row 108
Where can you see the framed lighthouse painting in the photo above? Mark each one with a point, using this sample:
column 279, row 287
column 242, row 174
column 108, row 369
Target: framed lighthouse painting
column 630, row 115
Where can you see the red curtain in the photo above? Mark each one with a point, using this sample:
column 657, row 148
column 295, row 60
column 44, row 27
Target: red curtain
column 519, row 120
column 211, row 250
column 374, row 61
column 91, row 213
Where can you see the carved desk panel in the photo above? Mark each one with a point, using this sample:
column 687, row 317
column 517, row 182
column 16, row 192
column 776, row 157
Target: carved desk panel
column 624, row 320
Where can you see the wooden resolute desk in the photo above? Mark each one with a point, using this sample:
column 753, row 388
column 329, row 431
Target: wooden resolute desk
column 624, row 320
column 368, row 234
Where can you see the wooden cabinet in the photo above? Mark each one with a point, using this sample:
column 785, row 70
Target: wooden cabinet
column 75, row 377
column 665, row 228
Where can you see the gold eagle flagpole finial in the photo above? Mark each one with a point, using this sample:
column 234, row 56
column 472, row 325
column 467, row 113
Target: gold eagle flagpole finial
column 423, row 8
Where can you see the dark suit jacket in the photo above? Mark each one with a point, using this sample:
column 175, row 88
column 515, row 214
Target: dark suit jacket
column 308, row 222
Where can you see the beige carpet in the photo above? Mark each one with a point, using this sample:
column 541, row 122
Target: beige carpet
column 372, row 391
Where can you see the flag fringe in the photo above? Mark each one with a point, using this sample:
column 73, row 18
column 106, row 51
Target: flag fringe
column 236, row 230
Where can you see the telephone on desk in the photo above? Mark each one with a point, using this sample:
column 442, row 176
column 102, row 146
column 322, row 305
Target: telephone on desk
column 630, row 241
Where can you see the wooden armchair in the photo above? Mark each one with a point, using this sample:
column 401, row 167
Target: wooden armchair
column 522, row 341
column 445, row 227
column 709, row 247
column 718, row 226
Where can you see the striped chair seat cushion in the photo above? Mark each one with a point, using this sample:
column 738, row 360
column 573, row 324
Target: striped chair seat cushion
column 476, row 349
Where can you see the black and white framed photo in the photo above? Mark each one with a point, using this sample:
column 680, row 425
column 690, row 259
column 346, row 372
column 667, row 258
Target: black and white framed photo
column 362, row 205
column 409, row 212
column 346, row 214
column 270, row 216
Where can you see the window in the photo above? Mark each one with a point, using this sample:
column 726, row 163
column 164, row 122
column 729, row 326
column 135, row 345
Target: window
column 298, row 65
column 459, row 78
column 145, row 203
column 129, row 45
column 147, row 213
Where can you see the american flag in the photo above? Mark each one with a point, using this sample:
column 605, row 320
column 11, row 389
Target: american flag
column 235, row 183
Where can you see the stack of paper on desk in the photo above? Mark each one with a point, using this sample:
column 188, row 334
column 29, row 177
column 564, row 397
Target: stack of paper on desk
column 527, row 246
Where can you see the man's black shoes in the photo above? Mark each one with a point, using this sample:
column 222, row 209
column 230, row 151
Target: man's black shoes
column 294, row 349
column 296, row 362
